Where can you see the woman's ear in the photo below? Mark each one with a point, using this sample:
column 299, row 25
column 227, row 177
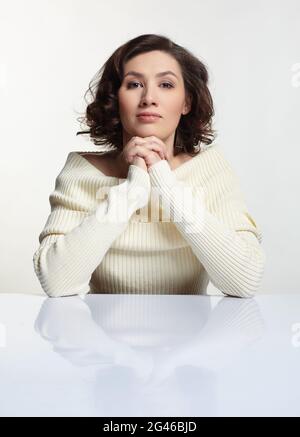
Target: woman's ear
column 187, row 105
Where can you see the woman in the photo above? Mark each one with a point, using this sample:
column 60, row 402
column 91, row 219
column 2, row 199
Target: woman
column 101, row 235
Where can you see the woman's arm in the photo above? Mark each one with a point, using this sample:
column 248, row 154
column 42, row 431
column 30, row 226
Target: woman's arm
column 226, row 243
column 65, row 261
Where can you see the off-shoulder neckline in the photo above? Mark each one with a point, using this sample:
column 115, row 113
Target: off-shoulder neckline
column 176, row 170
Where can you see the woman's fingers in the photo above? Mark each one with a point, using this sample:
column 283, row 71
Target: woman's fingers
column 153, row 143
column 146, row 148
column 156, row 140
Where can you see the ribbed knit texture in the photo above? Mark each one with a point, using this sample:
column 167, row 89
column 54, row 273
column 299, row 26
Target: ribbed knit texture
column 158, row 232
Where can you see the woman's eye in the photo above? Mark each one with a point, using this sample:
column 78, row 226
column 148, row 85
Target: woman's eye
column 134, row 83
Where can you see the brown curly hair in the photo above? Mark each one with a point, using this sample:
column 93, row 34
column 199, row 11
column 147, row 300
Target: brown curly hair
column 102, row 114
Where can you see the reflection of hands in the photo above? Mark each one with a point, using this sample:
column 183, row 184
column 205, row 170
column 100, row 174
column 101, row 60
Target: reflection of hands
column 141, row 362
column 232, row 326
column 69, row 326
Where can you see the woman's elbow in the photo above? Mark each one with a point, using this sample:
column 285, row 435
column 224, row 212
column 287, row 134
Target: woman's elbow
column 248, row 283
column 55, row 285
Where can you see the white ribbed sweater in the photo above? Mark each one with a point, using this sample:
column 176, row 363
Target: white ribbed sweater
column 111, row 235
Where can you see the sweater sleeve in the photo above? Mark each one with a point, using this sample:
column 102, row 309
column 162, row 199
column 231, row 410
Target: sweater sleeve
column 75, row 240
column 217, row 225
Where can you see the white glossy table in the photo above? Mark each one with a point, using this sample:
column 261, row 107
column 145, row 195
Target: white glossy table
column 134, row 355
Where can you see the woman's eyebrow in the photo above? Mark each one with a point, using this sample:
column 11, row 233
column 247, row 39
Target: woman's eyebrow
column 163, row 73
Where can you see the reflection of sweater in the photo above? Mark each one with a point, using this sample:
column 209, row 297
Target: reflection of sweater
column 162, row 232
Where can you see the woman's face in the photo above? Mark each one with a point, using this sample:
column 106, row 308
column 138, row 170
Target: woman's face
column 163, row 94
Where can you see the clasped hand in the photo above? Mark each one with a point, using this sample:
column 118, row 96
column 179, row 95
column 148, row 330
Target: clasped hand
column 145, row 151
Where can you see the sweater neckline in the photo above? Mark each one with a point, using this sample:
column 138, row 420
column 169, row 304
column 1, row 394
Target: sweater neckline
column 176, row 170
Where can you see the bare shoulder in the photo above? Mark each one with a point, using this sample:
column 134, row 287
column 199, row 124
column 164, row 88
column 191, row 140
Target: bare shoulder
column 102, row 161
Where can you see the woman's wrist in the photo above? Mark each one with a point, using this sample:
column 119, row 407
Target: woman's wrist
column 139, row 187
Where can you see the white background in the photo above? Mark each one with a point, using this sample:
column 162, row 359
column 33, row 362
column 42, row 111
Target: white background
column 49, row 52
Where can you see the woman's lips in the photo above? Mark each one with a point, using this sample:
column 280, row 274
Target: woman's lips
column 148, row 118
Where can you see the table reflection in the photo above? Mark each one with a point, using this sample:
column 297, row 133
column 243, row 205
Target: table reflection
column 151, row 347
